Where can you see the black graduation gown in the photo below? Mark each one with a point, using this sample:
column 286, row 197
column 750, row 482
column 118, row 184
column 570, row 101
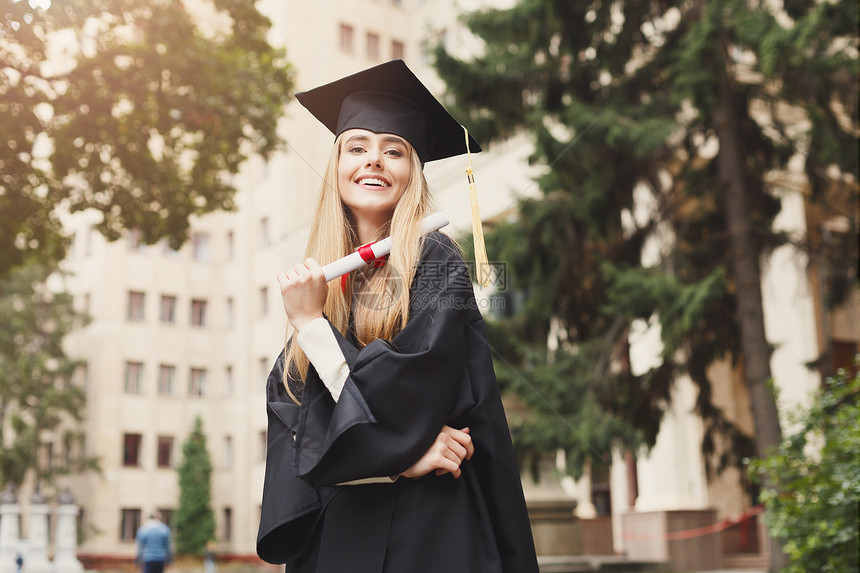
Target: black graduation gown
column 438, row 370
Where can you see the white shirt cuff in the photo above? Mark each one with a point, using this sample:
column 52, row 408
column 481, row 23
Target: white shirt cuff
column 320, row 345
column 364, row 481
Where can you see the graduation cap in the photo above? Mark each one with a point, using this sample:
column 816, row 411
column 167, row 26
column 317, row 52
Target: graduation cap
column 389, row 98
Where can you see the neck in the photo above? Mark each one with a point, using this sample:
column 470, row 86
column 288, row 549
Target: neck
column 368, row 229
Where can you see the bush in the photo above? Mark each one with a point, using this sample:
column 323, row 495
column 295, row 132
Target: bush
column 812, row 490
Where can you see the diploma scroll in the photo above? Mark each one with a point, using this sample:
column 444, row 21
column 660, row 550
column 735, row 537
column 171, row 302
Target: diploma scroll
column 353, row 261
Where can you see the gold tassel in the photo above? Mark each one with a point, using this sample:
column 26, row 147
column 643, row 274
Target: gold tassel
column 482, row 265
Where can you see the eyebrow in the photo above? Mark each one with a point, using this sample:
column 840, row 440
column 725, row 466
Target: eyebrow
column 385, row 139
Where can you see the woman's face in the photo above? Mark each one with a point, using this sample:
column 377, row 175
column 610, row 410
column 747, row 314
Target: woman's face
column 373, row 171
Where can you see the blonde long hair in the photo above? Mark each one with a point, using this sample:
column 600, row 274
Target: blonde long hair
column 376, row 299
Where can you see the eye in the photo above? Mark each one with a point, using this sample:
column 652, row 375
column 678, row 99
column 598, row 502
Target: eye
column 356, row 149
column 394, row 152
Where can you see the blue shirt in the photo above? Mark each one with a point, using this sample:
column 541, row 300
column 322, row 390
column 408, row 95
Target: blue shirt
column 153, row 541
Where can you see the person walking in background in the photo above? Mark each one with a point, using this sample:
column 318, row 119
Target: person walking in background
column 153, row 544
column 209, row 557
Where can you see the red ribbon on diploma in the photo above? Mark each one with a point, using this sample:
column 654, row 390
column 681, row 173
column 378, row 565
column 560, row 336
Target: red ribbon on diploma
column 366, row 254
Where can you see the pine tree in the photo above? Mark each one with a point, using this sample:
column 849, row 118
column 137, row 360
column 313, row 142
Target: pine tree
column 194, row 520
column 142, row 119
column 691, row 106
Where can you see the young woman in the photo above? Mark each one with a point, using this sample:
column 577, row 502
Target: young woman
column 387, row 378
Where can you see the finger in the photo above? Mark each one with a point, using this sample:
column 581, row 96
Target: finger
column 441, row 472
column 458, row 450
column 452, row 456
column 463, row 438
column 282, row 281
column 302, row 271
column 448, row 466
column 316, row 270
column 470, row 446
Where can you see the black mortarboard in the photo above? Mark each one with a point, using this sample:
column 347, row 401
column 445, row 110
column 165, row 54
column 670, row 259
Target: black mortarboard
column 388, row 98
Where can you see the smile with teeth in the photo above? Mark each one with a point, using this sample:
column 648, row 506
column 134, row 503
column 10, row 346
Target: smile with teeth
column 374, row 182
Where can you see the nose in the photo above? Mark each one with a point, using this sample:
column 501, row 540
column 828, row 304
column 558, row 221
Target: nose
column 374, row 158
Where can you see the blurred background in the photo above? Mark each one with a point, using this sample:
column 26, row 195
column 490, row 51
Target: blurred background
column 669, row 193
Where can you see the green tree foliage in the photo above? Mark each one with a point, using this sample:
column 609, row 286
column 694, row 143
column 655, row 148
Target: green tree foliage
column 194, row 520
column 40, row 402
column 814, row 481
column 139, row 109
column 688, row 107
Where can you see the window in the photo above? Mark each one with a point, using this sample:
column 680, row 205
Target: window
column 128, row 524
column 82, row 376
column 264, row 370
column 134, row 242
column 398, row 52
column 228, row 313
column 228, row 381
column 135, row 305
column 200, row 246
column 264, row 301
column 166, row 379
column 228, row 452
column 842, row 355
column 167, row 516
column 197, row 384
column 68, row 446
column 263, row 445
column 133, row 377
column 168, row 309
column 198, row 312
column 131, row 450
column 48, row 456
column 264, row 232
column 346, row 36
column 87, row 299
column 167, row 250
column 165, row 451
column 230, row 245
column 372, row 46
column 228, row 524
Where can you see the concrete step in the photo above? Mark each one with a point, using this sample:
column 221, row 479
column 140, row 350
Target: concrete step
column 601, row 563
column 749, row 561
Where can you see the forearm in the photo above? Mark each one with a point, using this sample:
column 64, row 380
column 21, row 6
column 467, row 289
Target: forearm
column 320, row 345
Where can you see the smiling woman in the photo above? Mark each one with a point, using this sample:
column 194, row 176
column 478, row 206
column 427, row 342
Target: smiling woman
column 388, row 447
